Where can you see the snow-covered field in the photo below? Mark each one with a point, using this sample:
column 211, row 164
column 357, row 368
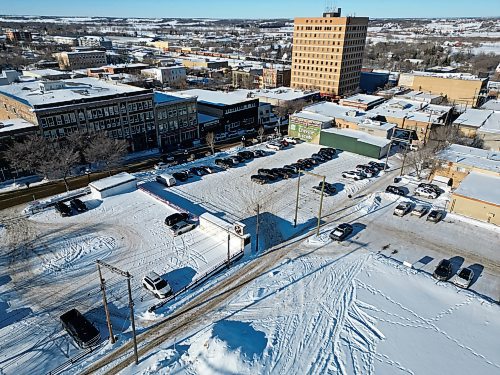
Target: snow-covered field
column 325, row 307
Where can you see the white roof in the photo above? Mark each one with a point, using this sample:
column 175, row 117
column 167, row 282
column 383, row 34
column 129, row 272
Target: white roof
column 16, row 124
column 74, row 89
column 473, row 117
column 420, row 96
column 360, row 136
column 492, row 124
column 333, row 110
column 463, row 76
column 472, row 157
column 363, row 99
column 492, row 104
column 480, row 186
column 109, row 182
column 312, row 116
column 282, row 93
column 215, row 97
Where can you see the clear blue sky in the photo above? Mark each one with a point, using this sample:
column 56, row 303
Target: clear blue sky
column 251, row 8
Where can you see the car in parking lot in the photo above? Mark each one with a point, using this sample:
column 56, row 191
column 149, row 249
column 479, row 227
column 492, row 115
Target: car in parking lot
column 341, row 232
column 223, row 163
column 443, row 270
column 291, row 140
column 196, row 171
column 312, row 161
column 281, row 172
column 419, row 210
column 463, row 278
column 435, row 216
column 329, row 189
column 78, row 205
column 378, row 165
column 259, row 153
column 181, row 176
column 426, row 193
column 259, row 179
column 319, row 158
column 326, row 155
column 207, row 169
column 157, row 285
column 329, row 150
column 276, row 146
column 83, row 332
column 432, row 187
column 63, row 209
column 354, row 175
column 245, row 155
column 403, row 208
column 293, row 168
column 366, row 170
column 268, row 173
column 395, row 190
column 175, row 218
column 181, row 227
column 305, row 164
column 160, row 165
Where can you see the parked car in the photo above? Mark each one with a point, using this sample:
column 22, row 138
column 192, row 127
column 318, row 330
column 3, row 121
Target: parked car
column 432, row 187
column 276, row 146
column 443, row 270
column 235, row 159
column 180, row 176
column 196, row 171
column 260, row 179
column 319, row 158
column 330, row 150
column 245, row 155
column 180, row 228
column 160, row 165
column 166, row 179
column 176, row 218
column 305, row 163
column 259, row 153
column 395, row 190
column 284, row 143
column 367, row 171
column 268, row 173
column 312, row 161
column 293, row 168
column 403, row 208
column 291, row 140
column 463, row 278
column 426, row 193
column 78, row 205
column 80, row 329
column 329, row 189
column 63, row 209
column 281, row 172
column 419, row 210
column 341, row 232
column 207, row 169
column 157, row 285
column 326, row 155
column 223, row 163
column 378, row 165
column 435, row 216
column 355, row 175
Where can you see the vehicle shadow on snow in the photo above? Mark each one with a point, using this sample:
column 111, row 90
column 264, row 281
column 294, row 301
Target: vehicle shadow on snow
column 478, row 270
column 12, row 316
column 240, row 336
column 456, row 263
column 179, row 278
column 5, row 279
column 119, row 317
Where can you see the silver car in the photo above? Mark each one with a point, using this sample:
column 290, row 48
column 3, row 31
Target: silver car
column 156, row 285
column 463, row 278
column 403, row 208
column 181, row 228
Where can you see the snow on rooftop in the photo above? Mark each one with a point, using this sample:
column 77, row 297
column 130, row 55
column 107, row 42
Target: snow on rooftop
column 215, row 97
column 333, row 110
column 283, row 93
column 312, row 116
column 492, row 124
column 109, row 182
column 473, row 157
column 492, row 105
column 68, row 90
column 463, row 76
column 360, row 136
column 161, row 97
column 363, row 98
column 15, row 124
column 481, row 186
column 473, row 117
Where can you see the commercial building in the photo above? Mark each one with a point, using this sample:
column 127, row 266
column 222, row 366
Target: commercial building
column 9, row 76
column 328, row 53
column 81, row 59
column 471, row 120
column 116, row 69
column 460, row 88
column 362, row 101
column 95, row 41
column 370, row 81
column 86, row 105
column 160, row 44
column 281, row 96
column 246, row 78
column 18, row 36
column 204, row 63
column 171, row 75
column 478, row 197
column 176, row 119
column 46, row 74
column 66, row 40
column 234, row 112
column 276, row 76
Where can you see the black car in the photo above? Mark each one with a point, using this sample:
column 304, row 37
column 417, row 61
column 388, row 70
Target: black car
column 319, row 158
column 395, row 190
column 268, row 173
column 281, row 172
column 246, row 155
column 207, row 169
column 368, row 168
column 379, row 166
column 63, row 209
column 223, row 163
column 341, row 232
column 327, row 155
column 259, row 153
column 329, row 189
column 312, row 161
column 175, row 218
column 443, row 270
column 304, row 164
column 181, row 176
column 330, row 150
column 197, row 171
column 432, row 187
column 293, row 169
column 435, row 216
column 80, row 329
column 78, row 205
column 260, row 179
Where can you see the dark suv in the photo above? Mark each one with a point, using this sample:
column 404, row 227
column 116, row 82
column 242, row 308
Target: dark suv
column 80, row 329
column 341, row 232
column 78, row 205
column 175, row 218
column 63, row 209
column 395, row 190
column 443, row 270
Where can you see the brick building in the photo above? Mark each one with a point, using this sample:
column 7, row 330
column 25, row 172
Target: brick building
column 81, row 59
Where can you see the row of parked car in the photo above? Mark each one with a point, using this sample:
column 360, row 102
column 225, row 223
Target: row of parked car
column 363, row 171
column 240, row 157
column 266, row 175
column 419, row 210
column 444, row 271
column 65, row 210
column 178, row 223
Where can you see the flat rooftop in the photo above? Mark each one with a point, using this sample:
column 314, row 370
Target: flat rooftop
column 472, row 157
column 282, row 93
column 161, row 97
column 493, row 105
column 463, row 76
column 473, row 117
column 220, row 98
column 363, row 99
column 360, row 136
column 16, row 125
column 492, row 124
column 480, row 186
column 112, row 181
column 72, row 89
column 312, row 116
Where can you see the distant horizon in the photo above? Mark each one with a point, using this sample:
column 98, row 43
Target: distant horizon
column 255, row 9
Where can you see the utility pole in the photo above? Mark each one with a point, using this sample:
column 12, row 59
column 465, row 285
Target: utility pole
column 257, row 230
column 387, row 156
column 297, row 201
column 131, row 305
column 228, row 250
column 321, row 204
column 404, row 159
column 105, row 303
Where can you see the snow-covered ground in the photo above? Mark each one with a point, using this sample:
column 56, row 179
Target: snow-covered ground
column 325, row 307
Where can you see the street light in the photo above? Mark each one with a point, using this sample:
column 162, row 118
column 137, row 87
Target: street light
column 88, row 172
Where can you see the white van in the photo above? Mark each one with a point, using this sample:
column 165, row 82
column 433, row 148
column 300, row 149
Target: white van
column 166, row 179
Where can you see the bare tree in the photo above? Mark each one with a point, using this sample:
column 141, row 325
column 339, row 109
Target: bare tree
column 260, row 133
column 422, row 159
column 105, row 151
column 61, row 161
column 29, row 155
column 210, row 139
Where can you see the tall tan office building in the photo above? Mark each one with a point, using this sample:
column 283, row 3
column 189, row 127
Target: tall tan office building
column 328, row 53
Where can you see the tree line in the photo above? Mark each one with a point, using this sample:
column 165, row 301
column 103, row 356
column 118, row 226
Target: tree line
column 60, row 158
